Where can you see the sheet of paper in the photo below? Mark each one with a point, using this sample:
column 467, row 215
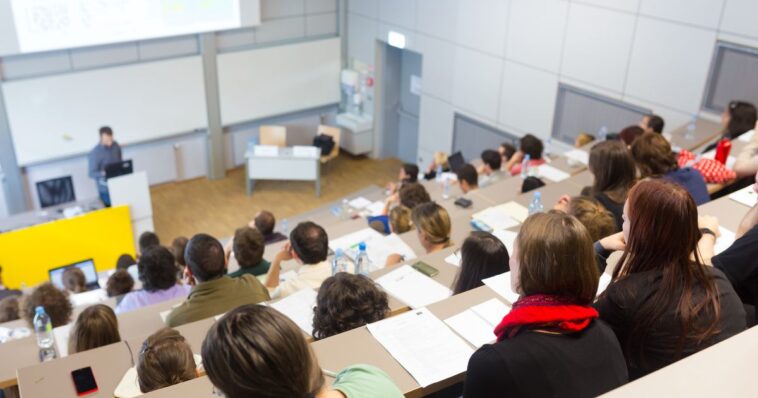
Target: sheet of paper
column 496, row 218
column 578, row 155
column 359, row 203
column 471, row 327
column 508, row 238
column 423, row 345
column 299, row 308
column 605, row 280
column 515, row 210
column 378, row 247
column 453, row 259
column 492, row 311
column 266, row 150
column 285, row 276
column 376, row 208
column 88, row 298
column 552, row 174
column 745, row 196
column 304, row 151
column 501, row 284
column 60, row 335
column 724, row 241
column 412, row 287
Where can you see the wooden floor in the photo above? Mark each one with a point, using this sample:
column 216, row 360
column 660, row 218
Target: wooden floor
column 218, row 207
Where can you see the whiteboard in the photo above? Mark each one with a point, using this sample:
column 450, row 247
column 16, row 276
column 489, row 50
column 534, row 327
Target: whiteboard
column 273, row 81
column 59, row 116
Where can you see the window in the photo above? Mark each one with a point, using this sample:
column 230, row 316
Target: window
column 579, row 111
column 732, row 77
column 471, row 137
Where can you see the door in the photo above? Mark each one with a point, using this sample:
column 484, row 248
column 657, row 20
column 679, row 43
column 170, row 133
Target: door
column 401, row 103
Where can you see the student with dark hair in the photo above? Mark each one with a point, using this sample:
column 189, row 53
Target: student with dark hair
column 738, row 118
column 652, row 123
column 664, row 303
column 345, row 302
column 482, row 256
column 596, row 218
column 550, row 343
column 119, row 284
column 255, row 351
column 106, row 152
column 55, row 302
column 125, row 261
column 9, row 309
column 309, row 246
column 157, row 272
column 265, row 222
column 164, row 360
column 95, row 327
column 613, row 172
column 178, row 245
column 531, row 183
column 468, row 179
column 528, row 145
column 408, row 173
column 247, row 247
column 490, row 171
column 413, row 194
column 630, row 134
column 213, row 292
column 654, row 159
column 74, row 280
column 147, row 240
column 506, row 151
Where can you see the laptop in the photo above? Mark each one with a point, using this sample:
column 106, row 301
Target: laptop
column 117, row 169
column 455, row 161
column 87, row 266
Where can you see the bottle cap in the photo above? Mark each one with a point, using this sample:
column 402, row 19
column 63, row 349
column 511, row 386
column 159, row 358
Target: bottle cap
column 39, row 309
column 537, row 195
column 338, row 252
column 362, row 246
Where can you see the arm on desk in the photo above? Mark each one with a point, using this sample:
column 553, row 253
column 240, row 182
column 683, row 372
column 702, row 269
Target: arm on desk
column 747, row 160
column 707, row 242
column 748, row 222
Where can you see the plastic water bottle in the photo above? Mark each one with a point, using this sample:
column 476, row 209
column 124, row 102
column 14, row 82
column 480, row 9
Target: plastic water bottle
column 525, row 166
column 285, row 227
column 43, row 328
column 362, row 262
column 548, row 145
column 602, row 134
column 536, row 205
column 339, row 262
column 345, row 209
column 438, row 173
column 690, row 134
column 446, row 189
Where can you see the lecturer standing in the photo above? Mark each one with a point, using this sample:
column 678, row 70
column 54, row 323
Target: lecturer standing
column 106, row 152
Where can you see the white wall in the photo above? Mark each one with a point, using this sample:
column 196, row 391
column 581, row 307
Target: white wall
column 500, row 61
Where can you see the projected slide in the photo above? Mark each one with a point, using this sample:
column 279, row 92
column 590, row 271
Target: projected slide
column 54, row 24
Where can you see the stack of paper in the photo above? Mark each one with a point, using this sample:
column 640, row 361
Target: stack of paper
column 501, row 217
column 578, row 155
column 423, row 345
column 501, row 284
column 747, row 196
column 453, row 259
column 478, row 323
column 378, row 246
column 359, row 203
column 551, row 173
column 413, row 288
column 266, row 150
column 299, row 308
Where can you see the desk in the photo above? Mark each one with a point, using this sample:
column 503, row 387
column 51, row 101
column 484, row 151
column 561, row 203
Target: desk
column 284, row 166
column 29, row 218
column 729, row 212
column 200, row 387
column 705, row 131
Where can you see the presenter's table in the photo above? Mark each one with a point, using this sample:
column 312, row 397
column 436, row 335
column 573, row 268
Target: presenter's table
column 31, row 218
column 286, row 164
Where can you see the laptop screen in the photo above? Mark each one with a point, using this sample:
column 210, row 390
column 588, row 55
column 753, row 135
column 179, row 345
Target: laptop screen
column 455, row 161
column 87, row 266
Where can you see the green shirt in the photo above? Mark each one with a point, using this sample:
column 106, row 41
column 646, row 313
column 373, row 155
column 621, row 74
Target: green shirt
column 216, row 297
column 365, row 381
column 257, row 270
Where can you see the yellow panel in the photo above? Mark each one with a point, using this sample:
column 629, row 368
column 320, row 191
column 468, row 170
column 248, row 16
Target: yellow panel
column 27, row 254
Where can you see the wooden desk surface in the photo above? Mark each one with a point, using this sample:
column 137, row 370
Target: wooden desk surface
column 705, row 131
column 728, row 211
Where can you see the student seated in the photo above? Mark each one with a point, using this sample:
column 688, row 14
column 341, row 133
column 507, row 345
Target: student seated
column 147, row 240
column 408, row 173
column 400, row 220
column 506, row 151
column 95, row 327
column 583, row 139
column 614, row 173
column 410, row 195
column 9, row 309
column 468, row 179
column 309, row 246
column 4, row 290
column 652, row 123
column 738, row 118
column 177, row 250
column 630, row 134
column 654, row 159
column 157, row 272
column 119, row 284
column 551, row 343
column 531, row 183
column 490, row 172
column 664, row 304
column 248, row 248
column 125, row 261
column 482, row 256
column 55, row 301
column 746, row 163
column 528, row 145
column 433, row 226
column 255, row 351
column 164, row 360
column 439, row 160
column 74, row 280
column 345, row 302
column 265, row 222
column 596, row 218
column 213, row 292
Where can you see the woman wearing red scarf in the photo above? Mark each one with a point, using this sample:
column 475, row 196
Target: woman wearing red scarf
column 551, row 344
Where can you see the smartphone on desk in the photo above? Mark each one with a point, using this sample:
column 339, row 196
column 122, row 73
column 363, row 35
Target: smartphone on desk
column 426, row 269
column 84, row 381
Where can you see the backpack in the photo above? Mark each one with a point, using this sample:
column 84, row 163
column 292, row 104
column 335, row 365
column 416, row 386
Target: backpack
column 325, row 143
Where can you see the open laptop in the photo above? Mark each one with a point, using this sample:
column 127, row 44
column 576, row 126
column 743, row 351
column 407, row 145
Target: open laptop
column 118, row 169
column 87, row 266
column 455, row 161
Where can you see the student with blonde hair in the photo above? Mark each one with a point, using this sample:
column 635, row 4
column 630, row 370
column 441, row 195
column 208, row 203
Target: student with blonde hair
column 433, row 226
column 596, row 218
column 95, row 327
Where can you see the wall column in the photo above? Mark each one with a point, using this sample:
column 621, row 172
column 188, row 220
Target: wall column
column 215, row 143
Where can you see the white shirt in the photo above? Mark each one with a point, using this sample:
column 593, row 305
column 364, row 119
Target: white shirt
column 308, row 277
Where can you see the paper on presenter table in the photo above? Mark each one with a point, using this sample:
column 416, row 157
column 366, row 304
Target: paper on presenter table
column 412, row 287
column 578, row 155
column 552, row 174
column 746, row 196
column 359, row 203
column 266, row 150
column 501, row 284
column 299, row 308
column 423, row 345
column 724, row 241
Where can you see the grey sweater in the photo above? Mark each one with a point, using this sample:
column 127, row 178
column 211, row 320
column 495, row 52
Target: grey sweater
column 100, row 156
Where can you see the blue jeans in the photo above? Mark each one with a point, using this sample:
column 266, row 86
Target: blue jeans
column 102, row 190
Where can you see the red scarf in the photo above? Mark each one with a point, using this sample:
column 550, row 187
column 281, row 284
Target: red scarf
column 541, row 311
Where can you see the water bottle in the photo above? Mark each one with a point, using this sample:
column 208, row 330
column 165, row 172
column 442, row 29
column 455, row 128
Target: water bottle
column 446, row 189
column 438, row 173
column 43, row 328
column 345, row 209
column 536, row 205
column 339, row 262
column 285, row 227
column 602, row 134
column 548, row 145
column 362, row 262
column 690, row 134
column 525, row 166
